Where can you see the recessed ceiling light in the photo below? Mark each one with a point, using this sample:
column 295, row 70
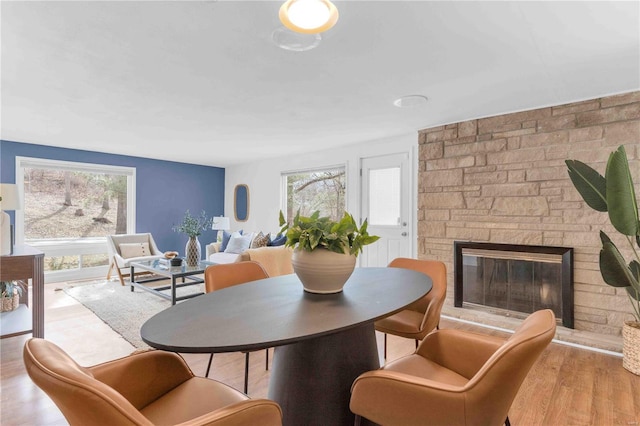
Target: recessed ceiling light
column 297, row 42
column 410, row 101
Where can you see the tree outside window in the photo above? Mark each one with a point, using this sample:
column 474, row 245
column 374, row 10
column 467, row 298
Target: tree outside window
column 322, row 190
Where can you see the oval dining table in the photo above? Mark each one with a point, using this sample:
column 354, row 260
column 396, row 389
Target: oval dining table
column 322, row 341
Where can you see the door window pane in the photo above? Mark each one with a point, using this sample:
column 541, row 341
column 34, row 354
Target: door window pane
column 384, row 196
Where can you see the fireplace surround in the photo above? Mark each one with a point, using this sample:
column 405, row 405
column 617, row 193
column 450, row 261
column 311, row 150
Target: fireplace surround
column 514, row 279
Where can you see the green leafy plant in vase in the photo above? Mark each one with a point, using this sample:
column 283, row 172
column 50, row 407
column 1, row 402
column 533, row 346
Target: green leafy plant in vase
column 325, row 250
column 193, row 226
column 614, row 193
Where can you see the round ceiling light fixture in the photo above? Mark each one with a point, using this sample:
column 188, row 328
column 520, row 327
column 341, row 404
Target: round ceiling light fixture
column 308, row 16
column 410, row 101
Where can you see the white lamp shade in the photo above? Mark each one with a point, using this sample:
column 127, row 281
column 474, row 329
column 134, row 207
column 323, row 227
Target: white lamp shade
column 221, row 223
column 10, row 199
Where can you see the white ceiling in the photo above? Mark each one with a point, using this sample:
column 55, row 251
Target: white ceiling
column 202, row 82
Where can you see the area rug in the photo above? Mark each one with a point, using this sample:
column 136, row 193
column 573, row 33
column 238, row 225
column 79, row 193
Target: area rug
column 120, row 308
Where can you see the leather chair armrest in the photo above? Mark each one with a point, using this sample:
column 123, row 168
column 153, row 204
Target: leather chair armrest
column 393, row 398
column 460, row 351
column 143, row 377
column 250, row 412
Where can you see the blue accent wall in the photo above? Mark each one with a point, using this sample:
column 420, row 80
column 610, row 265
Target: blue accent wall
column 164, row 189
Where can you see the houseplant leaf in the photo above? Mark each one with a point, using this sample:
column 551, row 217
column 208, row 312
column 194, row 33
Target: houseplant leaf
column 613, row 267
column 590, row 184
column 634, row 292
column 620, row 195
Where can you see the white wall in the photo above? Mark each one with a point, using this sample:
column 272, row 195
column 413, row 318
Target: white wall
column 264, row 182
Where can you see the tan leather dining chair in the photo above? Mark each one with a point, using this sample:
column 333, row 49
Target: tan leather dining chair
column 145, row 388
column 217, row 277
column 423, row 316
column 455, row 377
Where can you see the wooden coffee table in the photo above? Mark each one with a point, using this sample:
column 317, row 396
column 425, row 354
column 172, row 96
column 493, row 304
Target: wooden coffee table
column 156, row 267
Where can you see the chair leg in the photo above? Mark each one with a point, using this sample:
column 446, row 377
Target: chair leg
column 266, row 367
column 385, row 346
column 246, row 373
column 209, row 365
column 358, row 419
column 109, row 271
column 507, row 422
column 120, row 275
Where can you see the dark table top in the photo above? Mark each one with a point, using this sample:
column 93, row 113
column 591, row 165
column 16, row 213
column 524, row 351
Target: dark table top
column 277, row 311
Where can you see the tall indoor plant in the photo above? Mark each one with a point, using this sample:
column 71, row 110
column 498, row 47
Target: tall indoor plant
column 614, row 193
column 193, row 227
column 325, row 250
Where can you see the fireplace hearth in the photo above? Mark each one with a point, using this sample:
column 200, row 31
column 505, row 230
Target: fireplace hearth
column 514, row 279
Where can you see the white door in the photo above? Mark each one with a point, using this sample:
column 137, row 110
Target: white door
column 386, row 197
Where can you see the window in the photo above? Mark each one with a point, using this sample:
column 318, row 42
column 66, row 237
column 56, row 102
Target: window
column 384, row 196
column 69, row 208
column 311, row 190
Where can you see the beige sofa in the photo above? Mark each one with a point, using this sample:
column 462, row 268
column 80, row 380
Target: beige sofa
column 275, row 260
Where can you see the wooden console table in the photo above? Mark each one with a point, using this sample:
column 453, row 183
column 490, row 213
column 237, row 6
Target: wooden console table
column 26, row 263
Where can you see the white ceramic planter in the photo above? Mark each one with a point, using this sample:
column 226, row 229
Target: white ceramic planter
column 322, row 271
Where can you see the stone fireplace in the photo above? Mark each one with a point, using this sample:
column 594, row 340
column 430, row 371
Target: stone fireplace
column 514, row 279
column 502, row 179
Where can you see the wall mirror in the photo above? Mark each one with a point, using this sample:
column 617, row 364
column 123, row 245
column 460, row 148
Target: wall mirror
column 241, row 202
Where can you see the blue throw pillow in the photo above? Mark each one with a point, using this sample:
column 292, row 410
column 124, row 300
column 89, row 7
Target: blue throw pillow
column 278, row 240
column 226, row 236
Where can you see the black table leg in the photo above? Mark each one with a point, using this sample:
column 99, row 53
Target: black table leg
column 173, row 289
column 311, row 380
column 131, row 279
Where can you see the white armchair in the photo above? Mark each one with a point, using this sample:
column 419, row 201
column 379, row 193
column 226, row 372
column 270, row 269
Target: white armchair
column 126, row 248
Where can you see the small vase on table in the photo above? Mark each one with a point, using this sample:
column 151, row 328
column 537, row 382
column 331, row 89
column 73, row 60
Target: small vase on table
column 193, row 251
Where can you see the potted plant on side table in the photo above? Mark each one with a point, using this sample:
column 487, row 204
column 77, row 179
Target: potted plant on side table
column 325, row 251
column 614, row 193
column 10, row 293
column 193, row 227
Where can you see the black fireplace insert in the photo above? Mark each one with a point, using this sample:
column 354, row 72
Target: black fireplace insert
column 514, row 278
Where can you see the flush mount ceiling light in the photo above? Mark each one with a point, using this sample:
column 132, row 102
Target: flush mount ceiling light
column 308, row 16
column 410, row 101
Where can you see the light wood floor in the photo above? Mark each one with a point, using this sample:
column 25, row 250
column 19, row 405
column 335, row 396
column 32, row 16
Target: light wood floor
column 567, row 386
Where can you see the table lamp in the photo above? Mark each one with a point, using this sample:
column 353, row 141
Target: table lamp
column 9, row 200
column 220, row 223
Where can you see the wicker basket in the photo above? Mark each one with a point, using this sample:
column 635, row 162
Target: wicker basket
column 631, row 346
column 9, row 303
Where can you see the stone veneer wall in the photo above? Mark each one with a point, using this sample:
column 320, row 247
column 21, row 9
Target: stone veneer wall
column 503, row 179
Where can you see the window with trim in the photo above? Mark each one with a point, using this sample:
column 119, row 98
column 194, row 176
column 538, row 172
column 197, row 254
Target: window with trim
column 311, row 190
column 70, row 207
